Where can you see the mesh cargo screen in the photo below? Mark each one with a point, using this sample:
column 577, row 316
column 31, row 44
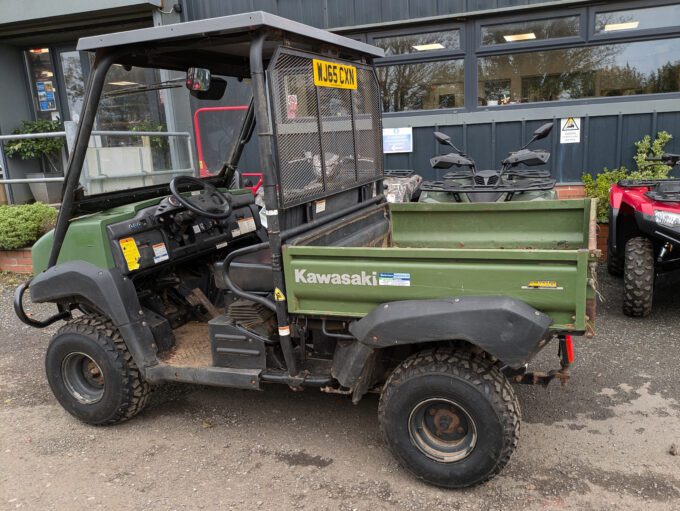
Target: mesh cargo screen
column 327, row 139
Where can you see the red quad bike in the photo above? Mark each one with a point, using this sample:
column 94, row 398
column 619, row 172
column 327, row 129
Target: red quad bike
column 644, row 235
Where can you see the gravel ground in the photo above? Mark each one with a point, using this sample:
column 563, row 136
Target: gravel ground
column 602, row 442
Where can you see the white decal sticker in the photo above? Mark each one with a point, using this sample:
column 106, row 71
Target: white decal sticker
column 320, row 206
column 394, row 279
column 247, row 225
column 221, row 245
column 160, row 253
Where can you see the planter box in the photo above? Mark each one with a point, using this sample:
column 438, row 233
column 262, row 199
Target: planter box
column 49, row 193
column 17, row 261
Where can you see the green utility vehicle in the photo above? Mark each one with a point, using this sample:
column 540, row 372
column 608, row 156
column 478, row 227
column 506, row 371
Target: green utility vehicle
column 436, row 307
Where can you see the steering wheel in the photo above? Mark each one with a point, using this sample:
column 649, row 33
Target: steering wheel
column 208, row 202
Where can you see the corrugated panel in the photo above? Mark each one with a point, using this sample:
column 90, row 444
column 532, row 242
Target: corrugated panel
column 342, row 13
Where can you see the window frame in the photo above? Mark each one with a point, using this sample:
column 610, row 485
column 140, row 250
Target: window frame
column 531, row 44
column 632, row 97
column 654, row 33
column 420, row 56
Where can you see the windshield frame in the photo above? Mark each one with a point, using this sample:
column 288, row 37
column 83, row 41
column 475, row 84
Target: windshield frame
column 94, row 94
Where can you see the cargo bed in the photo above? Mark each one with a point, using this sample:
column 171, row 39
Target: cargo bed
column 542, row 253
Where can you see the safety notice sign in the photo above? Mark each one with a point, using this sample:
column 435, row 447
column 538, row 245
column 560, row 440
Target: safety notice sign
column 570, row 130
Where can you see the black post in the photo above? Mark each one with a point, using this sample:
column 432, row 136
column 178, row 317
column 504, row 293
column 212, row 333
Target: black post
column 264, row 133
column 75, row 163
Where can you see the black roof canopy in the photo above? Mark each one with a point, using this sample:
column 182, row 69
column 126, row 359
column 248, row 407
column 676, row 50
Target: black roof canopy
column 221, row 43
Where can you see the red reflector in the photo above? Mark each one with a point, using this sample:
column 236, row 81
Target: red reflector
column 569, row 344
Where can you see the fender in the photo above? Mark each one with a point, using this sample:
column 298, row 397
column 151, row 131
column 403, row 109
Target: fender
column 505, row 327
column 109, row 292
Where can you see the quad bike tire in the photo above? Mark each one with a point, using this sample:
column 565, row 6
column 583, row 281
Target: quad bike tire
column 638, row 278
column 92, row 373
column 450, row 417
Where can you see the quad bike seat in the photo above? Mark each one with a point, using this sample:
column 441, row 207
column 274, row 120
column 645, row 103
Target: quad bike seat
column 253, row 272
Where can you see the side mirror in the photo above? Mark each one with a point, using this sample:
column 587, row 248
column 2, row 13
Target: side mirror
column 442, row 138
column 198, row 79
column 543, row 131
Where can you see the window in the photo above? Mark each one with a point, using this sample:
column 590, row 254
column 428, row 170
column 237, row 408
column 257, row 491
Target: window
column 422, row 86
column 608, row 70
column 567, row 26
column 637, row 19
column 419, row 43
column 43, row 83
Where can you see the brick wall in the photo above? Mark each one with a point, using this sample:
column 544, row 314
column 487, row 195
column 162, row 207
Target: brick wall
column 570, row 191
column 18, row 261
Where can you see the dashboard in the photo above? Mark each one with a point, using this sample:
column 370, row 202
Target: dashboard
column 168, row 232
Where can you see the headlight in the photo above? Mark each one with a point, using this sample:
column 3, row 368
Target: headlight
column 667, row 218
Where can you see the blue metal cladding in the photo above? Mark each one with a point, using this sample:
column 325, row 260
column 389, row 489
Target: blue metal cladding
column 607, row 135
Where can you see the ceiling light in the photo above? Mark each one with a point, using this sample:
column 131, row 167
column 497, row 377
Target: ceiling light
column 38, row 51
column 629, row 25
column 519, row 37
column 428, row 47
column 123, row 82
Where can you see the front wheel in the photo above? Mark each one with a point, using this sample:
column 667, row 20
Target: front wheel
column 92, row 374
column 450, row 417
column 638, row 278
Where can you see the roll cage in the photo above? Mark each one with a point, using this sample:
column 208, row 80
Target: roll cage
column 241, row 46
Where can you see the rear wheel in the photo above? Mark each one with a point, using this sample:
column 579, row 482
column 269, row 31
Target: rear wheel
column 92, row 373
column 450, row 417
column 638, row 278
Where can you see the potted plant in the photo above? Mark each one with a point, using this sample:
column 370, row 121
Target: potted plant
column 46, row 150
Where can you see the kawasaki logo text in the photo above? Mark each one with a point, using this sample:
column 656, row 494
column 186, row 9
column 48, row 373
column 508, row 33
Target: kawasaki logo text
column 345, row 279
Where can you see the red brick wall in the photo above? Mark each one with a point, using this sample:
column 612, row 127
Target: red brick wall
column 570, row 191
column 18, row 261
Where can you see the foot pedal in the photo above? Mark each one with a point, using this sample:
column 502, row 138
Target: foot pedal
column 235, row 347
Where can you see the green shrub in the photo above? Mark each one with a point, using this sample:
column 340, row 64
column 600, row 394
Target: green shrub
column 598, row 187
column 21, row 226
column 29, row 148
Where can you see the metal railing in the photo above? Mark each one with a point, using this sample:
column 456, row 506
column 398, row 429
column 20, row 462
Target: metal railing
column 86, row 176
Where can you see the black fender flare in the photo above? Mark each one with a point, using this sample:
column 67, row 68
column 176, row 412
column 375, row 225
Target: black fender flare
column 108, row 291
column 507, row 328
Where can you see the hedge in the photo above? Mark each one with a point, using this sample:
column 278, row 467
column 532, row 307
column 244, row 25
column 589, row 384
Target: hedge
column 21, row 226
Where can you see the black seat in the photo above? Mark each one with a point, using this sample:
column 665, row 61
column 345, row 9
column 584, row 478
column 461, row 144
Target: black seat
column 253, row 272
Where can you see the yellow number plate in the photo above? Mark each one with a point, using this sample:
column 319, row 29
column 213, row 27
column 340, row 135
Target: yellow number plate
column 331, row 74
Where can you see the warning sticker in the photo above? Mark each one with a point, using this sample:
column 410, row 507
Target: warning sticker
column 160, row 253
column 570, row 130
column 247, row 225
column 279, row 296
column 394, row 279
column 130, row 253
column 332, row 74
column 320, row 206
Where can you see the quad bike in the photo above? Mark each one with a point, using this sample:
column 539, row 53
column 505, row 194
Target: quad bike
column 644, row 235
column 467, row 184
column 435, row 307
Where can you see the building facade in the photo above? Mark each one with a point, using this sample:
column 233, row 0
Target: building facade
column 488, row 72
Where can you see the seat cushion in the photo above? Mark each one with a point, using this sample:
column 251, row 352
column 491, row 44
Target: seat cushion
column 253, row 272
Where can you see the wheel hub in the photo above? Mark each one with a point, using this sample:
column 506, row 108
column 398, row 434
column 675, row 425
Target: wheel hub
column 442, row 430
column 83, row 378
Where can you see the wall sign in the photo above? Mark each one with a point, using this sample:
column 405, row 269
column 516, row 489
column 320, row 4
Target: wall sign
column 397, row 140
column 570, row 130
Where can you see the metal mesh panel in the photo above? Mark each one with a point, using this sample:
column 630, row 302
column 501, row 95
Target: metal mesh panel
column 327, row 139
